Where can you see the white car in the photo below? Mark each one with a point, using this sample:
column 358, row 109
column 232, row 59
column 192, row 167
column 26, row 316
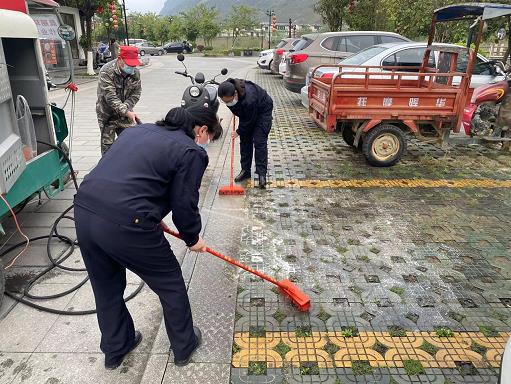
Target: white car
column 265, row 59
column 304, row 96
column 505, row 365
column 283, row 64
column 404, row 55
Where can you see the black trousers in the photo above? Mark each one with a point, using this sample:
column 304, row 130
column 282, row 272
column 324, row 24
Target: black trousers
column 256, row 141
column 108, row 249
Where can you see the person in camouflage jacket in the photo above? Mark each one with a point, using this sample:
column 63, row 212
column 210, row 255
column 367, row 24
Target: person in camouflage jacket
column 119, row 89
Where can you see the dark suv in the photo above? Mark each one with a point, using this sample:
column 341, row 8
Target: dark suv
column 178, row 47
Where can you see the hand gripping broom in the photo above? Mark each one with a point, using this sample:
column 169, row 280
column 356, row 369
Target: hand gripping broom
column 286, row 287
column 232, row 189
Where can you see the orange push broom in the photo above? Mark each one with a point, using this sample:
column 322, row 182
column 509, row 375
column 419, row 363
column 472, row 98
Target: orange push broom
column 286, row 287
column 232, row 189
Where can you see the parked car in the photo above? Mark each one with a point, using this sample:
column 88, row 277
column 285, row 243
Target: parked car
column 505, row 365
column 283, row 65
column 150, row 49
column 178, row 47
column 136, row 41
column 266, row 57
column 329, row 47
column 280, row 54
column 407, row 55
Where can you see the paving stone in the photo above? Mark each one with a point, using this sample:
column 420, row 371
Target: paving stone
column 23, row 329
column 404, row 257
column 155, row 369
column 199, row 373
column 86, row 368
column 11, row 364
column 370, row 258
column 80, row 334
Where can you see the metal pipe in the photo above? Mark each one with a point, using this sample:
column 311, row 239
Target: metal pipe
column 125, row 22
column 269, row 13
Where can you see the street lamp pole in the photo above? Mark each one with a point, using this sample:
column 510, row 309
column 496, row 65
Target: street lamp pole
column 269, row 13
column 125, row 22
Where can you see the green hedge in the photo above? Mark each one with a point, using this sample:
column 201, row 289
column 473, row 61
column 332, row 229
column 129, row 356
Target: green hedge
column 209, row 52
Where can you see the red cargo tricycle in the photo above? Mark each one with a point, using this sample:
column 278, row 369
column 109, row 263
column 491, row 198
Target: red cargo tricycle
column 375, row 107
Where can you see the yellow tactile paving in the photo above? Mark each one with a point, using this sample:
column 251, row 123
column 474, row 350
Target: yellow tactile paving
column 388, row 183
column 456, row 348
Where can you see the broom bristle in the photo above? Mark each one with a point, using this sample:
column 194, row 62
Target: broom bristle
column 231, row 190
column 300, row 299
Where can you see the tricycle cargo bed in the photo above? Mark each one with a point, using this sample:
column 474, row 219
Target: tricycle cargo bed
column 390, row 95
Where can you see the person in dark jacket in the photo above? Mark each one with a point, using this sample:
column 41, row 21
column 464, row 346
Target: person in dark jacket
column 254, row 108
column 151, row 170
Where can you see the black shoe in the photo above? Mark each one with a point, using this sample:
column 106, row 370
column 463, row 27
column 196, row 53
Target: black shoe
column 115, row 364
column 242, row 176
column 262, row 181
column 198, row 336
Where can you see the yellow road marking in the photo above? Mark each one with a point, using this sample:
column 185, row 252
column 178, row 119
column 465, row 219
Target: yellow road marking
column 450, row 350
column 388, row 183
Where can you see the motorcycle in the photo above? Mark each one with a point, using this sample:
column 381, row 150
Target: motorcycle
column 481, row 117
column 201, row 91
column 103, row 55
column 49, row 83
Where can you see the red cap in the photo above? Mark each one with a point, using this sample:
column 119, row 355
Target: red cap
column 130, row 55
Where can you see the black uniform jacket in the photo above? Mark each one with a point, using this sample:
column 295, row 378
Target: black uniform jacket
column 148, row 172
column 254, row 107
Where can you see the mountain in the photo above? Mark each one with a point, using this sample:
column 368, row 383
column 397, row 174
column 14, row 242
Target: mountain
column 300, row 11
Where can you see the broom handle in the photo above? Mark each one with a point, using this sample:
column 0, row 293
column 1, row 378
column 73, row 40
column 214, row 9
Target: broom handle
column 232, row 149
column 227, row 258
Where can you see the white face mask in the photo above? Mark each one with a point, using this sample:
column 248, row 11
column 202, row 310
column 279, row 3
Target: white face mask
column 232, row 103
column 202, row 145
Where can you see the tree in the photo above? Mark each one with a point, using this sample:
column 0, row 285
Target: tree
column 161, row 29
column 200, row 21
column 370, row 15
column 152, row 27
column 176, row 29
column 87, row 10
column 190, row 24
column 243, row 17
column 104, row 28
column 209, row 26
column 410, row 20
column 332, row 12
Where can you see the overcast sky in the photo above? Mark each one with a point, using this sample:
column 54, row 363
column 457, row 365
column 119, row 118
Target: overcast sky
column 144, row 5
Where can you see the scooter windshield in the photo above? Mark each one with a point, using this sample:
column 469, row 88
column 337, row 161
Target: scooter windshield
column 212, row 91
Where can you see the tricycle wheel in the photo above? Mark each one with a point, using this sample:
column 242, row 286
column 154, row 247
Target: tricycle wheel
column 348, row 135
column 384, row 145
column 2, row 284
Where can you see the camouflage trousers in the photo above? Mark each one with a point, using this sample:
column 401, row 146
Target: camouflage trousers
column 108, row 135
column 504, row 119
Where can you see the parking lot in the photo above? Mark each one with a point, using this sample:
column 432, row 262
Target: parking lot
column 407, row 266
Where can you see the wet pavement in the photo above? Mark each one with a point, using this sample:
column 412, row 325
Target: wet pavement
column 407, row 267
column 39, row 347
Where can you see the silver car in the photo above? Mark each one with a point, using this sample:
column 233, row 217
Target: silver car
column 405, row 55
column 149, row 49
column 328, row 48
